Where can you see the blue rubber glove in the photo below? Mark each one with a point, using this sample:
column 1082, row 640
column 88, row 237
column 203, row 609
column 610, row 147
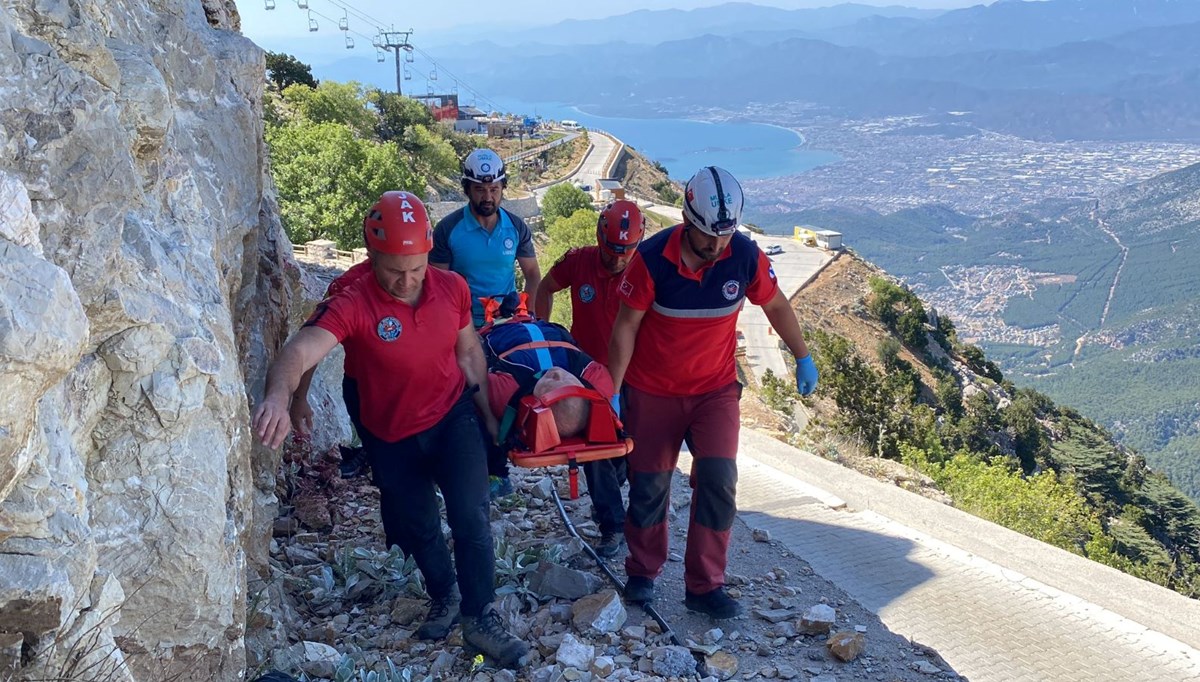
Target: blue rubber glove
column 806, row 375
column 615, row 401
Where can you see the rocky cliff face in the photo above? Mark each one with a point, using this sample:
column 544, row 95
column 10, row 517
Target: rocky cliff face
column 141, row 281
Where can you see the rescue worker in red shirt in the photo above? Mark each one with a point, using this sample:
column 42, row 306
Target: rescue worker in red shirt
column 422, row 379
column 592, row 273
column 679, row 305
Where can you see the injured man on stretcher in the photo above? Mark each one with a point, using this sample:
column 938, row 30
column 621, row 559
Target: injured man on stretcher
column 554, row 405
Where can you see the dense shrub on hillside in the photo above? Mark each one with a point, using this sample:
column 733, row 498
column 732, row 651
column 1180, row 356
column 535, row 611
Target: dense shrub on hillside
column 778, row 393
column 873, row 404
column 327, row 177
column 900, row 310
column 563, row 200
column 974, row 357
column 666, row 191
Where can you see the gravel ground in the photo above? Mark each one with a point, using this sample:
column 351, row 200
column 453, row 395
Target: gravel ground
column 352, row 606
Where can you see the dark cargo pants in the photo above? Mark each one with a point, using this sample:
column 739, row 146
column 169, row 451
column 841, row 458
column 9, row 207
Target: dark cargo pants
column 451, row 455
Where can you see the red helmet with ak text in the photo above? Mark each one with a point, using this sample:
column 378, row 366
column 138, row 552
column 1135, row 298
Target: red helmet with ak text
column 398, row 224
column 621, row 227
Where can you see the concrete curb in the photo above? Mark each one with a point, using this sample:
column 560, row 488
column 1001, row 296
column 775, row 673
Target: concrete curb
column 812, row 277
column 613, row 157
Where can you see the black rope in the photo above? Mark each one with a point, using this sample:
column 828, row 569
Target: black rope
column 562, row 512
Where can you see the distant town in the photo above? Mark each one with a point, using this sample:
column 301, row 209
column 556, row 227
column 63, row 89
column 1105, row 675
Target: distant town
column 895, row 163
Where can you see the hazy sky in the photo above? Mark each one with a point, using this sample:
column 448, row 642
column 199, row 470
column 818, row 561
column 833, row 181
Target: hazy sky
column 287, row 20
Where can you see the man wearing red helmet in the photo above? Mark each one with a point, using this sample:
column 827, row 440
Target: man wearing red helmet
column 593, row 273
column 422, row 379
column 679, row 306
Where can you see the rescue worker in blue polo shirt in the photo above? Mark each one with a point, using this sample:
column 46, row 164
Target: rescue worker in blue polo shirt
column 480, row 241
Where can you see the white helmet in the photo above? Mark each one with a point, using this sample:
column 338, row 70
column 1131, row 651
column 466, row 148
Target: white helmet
column 712, row 201
column 483, row 166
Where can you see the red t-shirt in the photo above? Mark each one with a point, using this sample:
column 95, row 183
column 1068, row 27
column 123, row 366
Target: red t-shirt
column 409, row 376
column 686, row 342
column 340, row 284
column 502, row 385
column 594, row 301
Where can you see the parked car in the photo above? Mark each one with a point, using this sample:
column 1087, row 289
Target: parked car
column 774, row 250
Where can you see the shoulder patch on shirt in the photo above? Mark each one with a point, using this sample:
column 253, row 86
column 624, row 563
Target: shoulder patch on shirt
column 626, row 288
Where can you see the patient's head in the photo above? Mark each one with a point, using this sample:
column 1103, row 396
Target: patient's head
column 570, row 415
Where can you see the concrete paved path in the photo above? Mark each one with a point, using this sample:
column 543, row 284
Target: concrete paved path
column 793, row 268
column 591, row 168
column 995, row 604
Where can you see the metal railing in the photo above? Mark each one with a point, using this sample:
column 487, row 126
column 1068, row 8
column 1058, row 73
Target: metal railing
column 323, row 254
column 539, row 149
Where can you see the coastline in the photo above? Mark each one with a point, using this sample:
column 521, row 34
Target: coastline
column 750, row 149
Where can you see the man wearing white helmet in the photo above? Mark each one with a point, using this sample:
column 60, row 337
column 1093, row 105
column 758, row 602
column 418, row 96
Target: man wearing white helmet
column 679, row 305
column 480, row 241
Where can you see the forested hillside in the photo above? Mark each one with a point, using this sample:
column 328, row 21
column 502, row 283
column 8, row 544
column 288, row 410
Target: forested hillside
column 335, row 147
column 896, row 387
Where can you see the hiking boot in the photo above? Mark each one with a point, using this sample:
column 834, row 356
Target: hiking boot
column 610, row 544
column 717, row 604
column 354, row 461
column 486, row 634
column 639, row 590
column 499, row 486
column 443, row 614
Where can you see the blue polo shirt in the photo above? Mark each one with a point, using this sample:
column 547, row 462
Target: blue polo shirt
column 484, row 260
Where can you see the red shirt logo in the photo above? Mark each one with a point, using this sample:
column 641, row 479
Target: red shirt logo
column 389, row 329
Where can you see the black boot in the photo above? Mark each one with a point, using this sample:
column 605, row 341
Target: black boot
column 610, row 544
column 354, row 461
column 443, row 614
column 486, row 634
column 716, row 604
column 639, row 590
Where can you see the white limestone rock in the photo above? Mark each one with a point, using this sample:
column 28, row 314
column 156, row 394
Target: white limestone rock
column 143, row 281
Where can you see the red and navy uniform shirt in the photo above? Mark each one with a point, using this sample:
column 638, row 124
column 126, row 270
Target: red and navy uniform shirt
column 343, row 282
column 594, row 301
column 409, row 376
column 686, row 343
column 502, row 386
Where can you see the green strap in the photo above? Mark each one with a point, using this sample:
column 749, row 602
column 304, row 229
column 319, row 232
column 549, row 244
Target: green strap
column 506, row 423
